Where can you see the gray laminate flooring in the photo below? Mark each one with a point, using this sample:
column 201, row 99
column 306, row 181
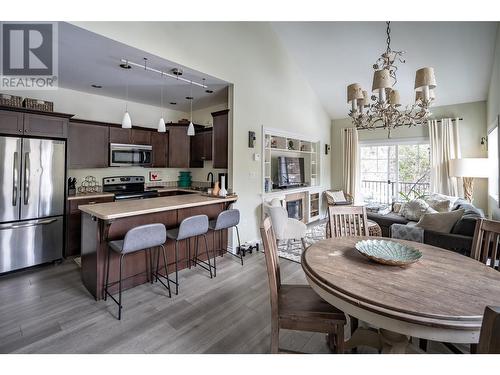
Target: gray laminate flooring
column 48, row 310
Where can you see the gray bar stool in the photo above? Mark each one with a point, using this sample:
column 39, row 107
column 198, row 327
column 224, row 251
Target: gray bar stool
column 140, row 238
column 225, row 220
column 190, row 227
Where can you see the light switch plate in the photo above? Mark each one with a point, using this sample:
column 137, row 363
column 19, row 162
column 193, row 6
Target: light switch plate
column 256, row 157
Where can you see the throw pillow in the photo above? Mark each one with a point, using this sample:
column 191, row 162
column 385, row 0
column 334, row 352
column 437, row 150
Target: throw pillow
column 439, row 204
column 441, row 222
column 414, row 209
column 442, row 197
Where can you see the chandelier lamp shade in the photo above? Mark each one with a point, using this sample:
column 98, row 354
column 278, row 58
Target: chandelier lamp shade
column 384, row 108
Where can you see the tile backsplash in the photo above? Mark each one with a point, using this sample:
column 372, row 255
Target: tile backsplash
column 167, row 176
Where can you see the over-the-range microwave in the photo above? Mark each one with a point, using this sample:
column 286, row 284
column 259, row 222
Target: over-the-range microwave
column 126, row 155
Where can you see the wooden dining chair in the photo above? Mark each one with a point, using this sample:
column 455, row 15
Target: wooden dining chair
column 347, row 221
column 489, row 338
column 486, row 243
column 298, row 307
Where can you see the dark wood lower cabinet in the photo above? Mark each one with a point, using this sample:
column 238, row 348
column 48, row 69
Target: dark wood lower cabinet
column 95, row 248
column 74, row 222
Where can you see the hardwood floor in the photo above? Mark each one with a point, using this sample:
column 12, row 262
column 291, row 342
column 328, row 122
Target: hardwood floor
column 47, row 310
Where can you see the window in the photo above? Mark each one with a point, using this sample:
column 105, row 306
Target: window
column 493, row 156
column 394, row 171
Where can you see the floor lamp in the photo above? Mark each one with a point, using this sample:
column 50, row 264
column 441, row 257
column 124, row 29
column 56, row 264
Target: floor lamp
column 468, row 169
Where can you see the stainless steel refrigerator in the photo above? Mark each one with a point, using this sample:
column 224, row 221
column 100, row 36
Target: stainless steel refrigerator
column 32, row 183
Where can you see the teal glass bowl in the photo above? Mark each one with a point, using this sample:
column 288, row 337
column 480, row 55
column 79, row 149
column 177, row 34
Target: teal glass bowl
column 388, row 252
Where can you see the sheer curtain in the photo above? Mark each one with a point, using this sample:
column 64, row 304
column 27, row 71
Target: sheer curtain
column 350, row 146
column 445, row 145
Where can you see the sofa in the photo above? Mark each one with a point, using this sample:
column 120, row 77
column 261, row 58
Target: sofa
column 458, row 240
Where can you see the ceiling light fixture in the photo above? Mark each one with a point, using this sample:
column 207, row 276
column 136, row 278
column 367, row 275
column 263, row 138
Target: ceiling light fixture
column 173, row 103
column 162, row 73
column 190, row 130
column 96, row 86
column 384, row 111
column 126, row 121
column 208, row 91
column 161, row 124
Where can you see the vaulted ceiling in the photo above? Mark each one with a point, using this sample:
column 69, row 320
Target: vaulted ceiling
column 334, row 54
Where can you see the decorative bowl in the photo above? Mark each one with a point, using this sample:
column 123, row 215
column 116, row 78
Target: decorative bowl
column 388, row 252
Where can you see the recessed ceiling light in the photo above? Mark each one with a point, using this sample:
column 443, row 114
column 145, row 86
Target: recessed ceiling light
column 208, row 91
column 96, row 86
column 125, row 66
column 189, row 97
column 173, row 103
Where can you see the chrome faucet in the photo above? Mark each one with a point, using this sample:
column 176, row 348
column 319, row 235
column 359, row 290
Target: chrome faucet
column 210, row 177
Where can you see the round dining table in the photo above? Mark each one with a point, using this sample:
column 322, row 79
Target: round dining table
column 441, row 297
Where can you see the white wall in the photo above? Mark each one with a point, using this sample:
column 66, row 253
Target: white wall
column 268, row 90
column 472, row 128
column 493, row 110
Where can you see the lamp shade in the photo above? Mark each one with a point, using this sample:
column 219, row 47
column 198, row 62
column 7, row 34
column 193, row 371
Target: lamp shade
column 419, row 95
column 190, row 131
column 161, row 126
column 394, row 98
column 126, row 121
column 354, row 92
column 470, row 167
column 364, row 102
column 381, row 80
column 425, row 77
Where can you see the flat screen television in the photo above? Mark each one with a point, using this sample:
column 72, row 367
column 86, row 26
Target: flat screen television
column 290, row 172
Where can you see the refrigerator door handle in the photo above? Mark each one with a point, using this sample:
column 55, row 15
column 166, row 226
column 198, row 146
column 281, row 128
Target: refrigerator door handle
column 15, row 179
column 26, row 177
column 32, row 224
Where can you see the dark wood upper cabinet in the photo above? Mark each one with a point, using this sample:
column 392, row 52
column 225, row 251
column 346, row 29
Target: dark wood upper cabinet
column 140, row 137
column 201, row 149
column 45, row 126
column 88, row 145
column 178, row 146
column 11, row 122
column 129, row 136
column 220, row 139
column 159, row 141
column 119, row 135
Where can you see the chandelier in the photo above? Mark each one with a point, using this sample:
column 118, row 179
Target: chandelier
column 383, row 109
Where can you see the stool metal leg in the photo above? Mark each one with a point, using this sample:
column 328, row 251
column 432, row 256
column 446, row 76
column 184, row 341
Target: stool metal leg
column 176, row 267
column 120, row 289
column 239, row 244
column 208, row 255
column 166, row 269
column 107, row 276
column 157, row 265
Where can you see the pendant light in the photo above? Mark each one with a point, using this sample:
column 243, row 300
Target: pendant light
column 190, row 131
column 161, row 124
column 126, row 121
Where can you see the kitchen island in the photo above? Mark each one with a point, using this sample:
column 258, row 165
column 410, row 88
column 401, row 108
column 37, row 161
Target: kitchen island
column 105, row 222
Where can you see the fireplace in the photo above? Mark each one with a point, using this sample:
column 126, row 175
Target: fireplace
column 294, row 209
column 296, row 205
